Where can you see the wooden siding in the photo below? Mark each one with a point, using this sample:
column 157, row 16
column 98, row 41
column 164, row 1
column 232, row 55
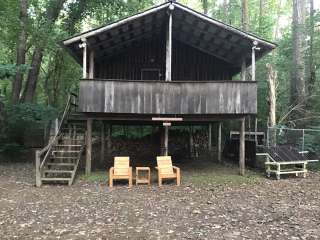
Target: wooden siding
column 159, row 97
column 188, row 63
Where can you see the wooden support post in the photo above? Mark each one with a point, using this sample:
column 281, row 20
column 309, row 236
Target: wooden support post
column 91, row 64
column 83, row 45
column 243, row 70
column 191, row 141
column 38, row 173
column 109, row 139
column 256, row 130
column 103, row 143
column 88, row 146
column 166, row 139
column 56, row 126
column 253, row 65
column 210, row 138
column 242, row 148
column 219, row 141
column 169, row 49
column 70, row 140
column 74, row 134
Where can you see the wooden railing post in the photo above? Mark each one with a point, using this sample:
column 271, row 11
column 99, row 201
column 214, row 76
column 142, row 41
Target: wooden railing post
column 88, row 146
column 219, row 141
column 242, row 147
column 210, row 138
column 38, row 172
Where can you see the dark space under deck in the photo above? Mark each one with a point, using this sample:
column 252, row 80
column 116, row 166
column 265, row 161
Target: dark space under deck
column 168, row 98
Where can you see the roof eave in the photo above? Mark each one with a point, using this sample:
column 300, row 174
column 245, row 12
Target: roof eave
column 95, row 31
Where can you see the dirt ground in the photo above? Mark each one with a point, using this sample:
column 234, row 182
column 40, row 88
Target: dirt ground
column 212, row 203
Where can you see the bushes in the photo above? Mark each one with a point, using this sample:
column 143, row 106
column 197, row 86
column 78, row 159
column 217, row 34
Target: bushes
column 21, row 120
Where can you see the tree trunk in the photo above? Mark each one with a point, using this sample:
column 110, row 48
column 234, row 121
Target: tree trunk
column 272, row 79
column 276, row 29
column 205, row 6
column 311, row 74
column 298, row 83
column 225, row 7
column 244, row 15
column 33, row 75
column 52, row 12
column 245, row 72
column 21, row 51
column 261, row 4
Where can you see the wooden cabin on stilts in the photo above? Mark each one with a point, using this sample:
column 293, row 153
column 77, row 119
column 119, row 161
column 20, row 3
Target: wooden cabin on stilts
column 166, row 66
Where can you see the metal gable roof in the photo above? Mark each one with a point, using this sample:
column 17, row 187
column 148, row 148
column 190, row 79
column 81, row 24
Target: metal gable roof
column 195, row 29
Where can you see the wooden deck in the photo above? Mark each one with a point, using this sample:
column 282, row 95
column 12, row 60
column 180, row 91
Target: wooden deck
column 165, row 98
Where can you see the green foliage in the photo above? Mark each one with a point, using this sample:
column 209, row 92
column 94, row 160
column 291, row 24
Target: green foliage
column 59, row 73
column 9, row 70
column 26, row 118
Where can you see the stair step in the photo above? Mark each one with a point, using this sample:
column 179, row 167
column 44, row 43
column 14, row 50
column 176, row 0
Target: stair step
column 60, row 157
column 55, row 179
column 58, row 171
column 66, row 138
column 62, row 164
column 65, row 151
column 76, row 145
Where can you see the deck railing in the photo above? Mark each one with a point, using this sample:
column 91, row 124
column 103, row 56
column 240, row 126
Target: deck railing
column 160, row 97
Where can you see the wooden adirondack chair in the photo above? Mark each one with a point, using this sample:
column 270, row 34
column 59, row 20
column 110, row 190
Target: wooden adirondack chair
column 166, row 170
column 120, row 170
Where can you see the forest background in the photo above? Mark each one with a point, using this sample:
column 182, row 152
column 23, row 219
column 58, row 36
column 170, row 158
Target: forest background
column 36, row 74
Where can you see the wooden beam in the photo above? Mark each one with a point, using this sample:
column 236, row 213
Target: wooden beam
column 191, row 147
column 109, row 139
column 91, row 64
column 253, row 59
column 219, row 141
column 166, row 139
column 167, row 119
column 103, row 143
column 38, row 172
column 256, row 129
column 169, row 49
column 84, row 57
column 210, row 137
column 242, row 148
column 88, row 146
column 243, row 69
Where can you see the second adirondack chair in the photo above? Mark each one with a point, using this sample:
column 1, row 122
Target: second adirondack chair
column 166, row 170
column 120, row 170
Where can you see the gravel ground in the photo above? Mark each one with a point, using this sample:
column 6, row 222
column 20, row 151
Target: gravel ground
column 262, row 209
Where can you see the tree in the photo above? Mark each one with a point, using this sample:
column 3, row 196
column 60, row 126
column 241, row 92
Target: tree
column 311, row 73
column 52, row 12
column 298, row 82
column 244, row 15
column 205, row 6
column 21, row 52
column 272, row 100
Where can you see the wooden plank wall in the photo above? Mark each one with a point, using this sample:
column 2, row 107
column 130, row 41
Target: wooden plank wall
column 158, row 97
column 188, row 63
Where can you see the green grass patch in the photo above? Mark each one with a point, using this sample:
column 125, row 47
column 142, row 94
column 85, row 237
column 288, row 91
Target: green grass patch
column 100, row 176
column 222, row 179
column 314, row 166
column 209, row 173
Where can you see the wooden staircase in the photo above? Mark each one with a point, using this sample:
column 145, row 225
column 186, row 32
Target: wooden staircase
column 59, row 160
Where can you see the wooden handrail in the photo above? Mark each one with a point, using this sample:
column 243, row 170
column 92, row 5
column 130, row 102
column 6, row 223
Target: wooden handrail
column 47, row 149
